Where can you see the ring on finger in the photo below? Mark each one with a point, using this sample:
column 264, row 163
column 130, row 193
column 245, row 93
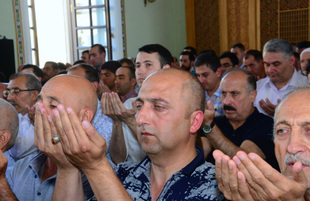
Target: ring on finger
column 55, row 140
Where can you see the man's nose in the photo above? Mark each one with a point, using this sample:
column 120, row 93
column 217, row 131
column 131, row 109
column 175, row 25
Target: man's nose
column 296, row 143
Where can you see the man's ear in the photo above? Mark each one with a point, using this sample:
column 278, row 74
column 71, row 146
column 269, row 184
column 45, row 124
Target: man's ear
column 34, row 97
column 133, row 82
column 292, row 60
column 95, row 84
column 196, row 121
column 86, row 114
column 218, row 72
column 252, row 95
column 5, row 136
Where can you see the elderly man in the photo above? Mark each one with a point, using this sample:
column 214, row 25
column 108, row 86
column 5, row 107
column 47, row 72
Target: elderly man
column 8, row 133
column 256, row 180
column 22, row 92
column 166, row 124
column 282, row 76
column 34, row 177
column 304, row 58
column 124, row 144
column 101, row 122
column 242, row 127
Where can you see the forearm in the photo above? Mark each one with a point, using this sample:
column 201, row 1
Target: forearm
column 68, row 185
column 5, row 191
column 105, row 184
column 220, row 142
column 117, row 147
column 132, row 125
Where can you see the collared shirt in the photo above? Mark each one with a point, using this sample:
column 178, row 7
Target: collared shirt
column 131, row 94
column 216, row 102
column 26, row 176
column 103, row 124
column 266, row 89
column 24, row 143
column 196, row 181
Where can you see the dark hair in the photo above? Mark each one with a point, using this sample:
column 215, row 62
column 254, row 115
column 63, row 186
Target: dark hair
column 32, row 82
column 111, row 66
column 132, row 74
column 213, row 62
column 36, row 70
column 165, row 56
column 191, row 56
column 192, row 50
column 79, row 62
column 62, row 66
column 255, row 53
column 128, row 61
column 85, row 51
column 100, row 47
column 209, row 52
column 303, row 44
column 297, row 56
column 251, row 85
column 55, row 66
column 232, row 57
column 238, row 45
column 90, row 71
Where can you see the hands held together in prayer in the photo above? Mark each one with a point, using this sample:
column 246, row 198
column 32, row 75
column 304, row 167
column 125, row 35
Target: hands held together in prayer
column 113, row 107
column 80, row 145
column 248, row 177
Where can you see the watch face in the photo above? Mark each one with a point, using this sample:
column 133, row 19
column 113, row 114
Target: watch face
column 207, row 129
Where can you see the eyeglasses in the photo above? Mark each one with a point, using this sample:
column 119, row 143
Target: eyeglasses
column 14, row 91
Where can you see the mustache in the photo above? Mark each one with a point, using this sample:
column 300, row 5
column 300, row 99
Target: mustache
column 229, row 107
column 292, row 158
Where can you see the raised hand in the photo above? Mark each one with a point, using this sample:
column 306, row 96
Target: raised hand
column 83, row 146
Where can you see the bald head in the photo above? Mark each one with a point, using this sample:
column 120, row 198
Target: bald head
column 71, row 91
column 192, row 92
column 10, row 122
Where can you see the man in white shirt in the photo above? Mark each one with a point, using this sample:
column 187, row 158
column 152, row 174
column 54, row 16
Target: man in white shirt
column 22, row 92
column 281, row 79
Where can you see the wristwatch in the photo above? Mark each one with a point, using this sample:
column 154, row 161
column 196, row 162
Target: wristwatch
column 208, row 128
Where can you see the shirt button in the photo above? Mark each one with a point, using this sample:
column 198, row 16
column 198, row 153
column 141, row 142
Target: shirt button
column 39, row 193
column 35, row 176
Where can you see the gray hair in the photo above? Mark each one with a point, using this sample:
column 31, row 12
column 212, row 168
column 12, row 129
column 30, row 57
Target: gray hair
column 10, row 122
column 279, row 45
column 32, row 82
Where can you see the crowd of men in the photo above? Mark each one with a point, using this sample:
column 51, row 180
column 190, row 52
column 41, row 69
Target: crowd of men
column 233, row 126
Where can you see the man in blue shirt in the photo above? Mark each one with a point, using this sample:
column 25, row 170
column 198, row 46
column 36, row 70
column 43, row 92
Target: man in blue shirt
column 174, row 168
